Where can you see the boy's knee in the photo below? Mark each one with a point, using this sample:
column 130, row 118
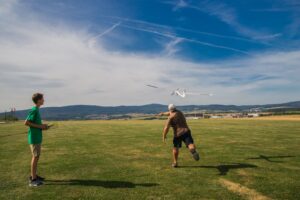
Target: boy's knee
column 191, row 146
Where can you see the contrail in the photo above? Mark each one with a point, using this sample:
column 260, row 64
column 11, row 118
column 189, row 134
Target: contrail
column 228, row 17
column 106, row 31
column 149, row 31
column 269, row 36
column 186, row 39
column 170, row 48
column 92, row 40
column 168, row 35
column 184, row 29
column 216, row 46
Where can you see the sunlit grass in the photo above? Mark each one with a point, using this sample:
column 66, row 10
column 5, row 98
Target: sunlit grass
column 127, row 160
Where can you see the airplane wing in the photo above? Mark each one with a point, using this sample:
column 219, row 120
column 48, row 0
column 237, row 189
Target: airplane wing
column 200, row 94
column 152, row 86
column 160, row 88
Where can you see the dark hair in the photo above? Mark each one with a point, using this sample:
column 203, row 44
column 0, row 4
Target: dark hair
column 36, row 97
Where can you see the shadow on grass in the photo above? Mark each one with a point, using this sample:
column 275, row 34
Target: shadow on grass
column 99, row 183
column 268, row 158
column 224, row 168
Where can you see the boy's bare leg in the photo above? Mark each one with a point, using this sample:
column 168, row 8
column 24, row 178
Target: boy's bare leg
column 175, row 155
column 34, row 162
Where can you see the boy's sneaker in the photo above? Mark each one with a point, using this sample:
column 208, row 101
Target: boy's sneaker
column 196, row 156
column 35, row 183
column 39, row 178
column 174, row 165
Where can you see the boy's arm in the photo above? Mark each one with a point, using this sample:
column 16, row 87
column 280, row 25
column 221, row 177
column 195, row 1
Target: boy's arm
column 166, row 130
column 31, row 117
column 33, row 125
column 164, row 114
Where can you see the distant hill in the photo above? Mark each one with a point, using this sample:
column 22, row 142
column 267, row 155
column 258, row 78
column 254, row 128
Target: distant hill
column 102, row 112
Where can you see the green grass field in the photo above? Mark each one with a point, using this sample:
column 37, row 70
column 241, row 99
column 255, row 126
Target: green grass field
column 241, row 159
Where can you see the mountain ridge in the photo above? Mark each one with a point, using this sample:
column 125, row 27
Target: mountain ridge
column 91, row 111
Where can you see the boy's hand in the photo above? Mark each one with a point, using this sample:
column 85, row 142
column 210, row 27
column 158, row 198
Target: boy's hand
column 164, row 139
column 44, row 127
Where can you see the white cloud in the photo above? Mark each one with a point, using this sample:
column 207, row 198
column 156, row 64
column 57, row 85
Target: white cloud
column 58, row 61
column 170, row 47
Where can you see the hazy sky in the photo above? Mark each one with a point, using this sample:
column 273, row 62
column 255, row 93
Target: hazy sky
column 104, row 52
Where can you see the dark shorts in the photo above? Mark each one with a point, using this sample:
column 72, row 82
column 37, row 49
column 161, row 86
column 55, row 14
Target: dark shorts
column 186, row 138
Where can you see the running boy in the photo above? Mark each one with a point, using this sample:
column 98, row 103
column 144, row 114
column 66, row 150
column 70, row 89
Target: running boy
column 182, row 133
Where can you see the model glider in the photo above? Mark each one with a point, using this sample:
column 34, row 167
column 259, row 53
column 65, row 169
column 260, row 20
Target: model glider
column 183, row 93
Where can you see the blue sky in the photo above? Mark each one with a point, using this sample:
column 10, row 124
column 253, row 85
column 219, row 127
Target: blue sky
column 244, row 26
column 104, row 52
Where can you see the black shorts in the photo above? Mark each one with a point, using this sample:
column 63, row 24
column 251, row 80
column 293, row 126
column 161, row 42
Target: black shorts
column 186, row 138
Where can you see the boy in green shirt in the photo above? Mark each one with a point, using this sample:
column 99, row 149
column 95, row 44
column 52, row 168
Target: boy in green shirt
column 35, row 137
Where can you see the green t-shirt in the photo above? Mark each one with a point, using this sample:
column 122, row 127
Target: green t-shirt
column 34, row 134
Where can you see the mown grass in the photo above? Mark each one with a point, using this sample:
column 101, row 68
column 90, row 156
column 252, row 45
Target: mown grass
column 127, row 160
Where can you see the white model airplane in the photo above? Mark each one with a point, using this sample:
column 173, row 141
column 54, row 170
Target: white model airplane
column 182, row 92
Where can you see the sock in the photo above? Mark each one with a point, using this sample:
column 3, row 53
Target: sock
column 193, row 151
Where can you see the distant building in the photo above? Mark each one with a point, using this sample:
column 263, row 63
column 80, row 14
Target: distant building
column 216, row 117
